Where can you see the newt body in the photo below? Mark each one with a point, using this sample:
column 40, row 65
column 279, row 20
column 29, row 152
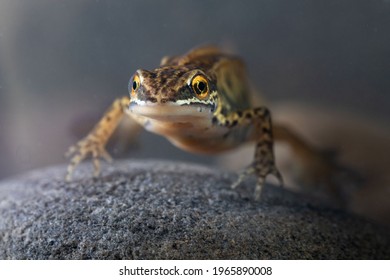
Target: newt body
column 201, row 102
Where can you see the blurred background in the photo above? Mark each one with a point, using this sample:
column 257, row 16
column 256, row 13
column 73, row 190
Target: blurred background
column 62, row 63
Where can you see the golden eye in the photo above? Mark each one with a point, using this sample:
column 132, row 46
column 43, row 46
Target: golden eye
column 135, row 85
column 201, row 86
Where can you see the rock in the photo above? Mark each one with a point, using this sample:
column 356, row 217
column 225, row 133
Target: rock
column 167, row 210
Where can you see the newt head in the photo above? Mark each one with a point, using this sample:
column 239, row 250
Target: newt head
column 168, row 92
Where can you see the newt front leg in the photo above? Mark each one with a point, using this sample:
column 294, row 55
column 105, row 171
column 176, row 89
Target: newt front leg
column 94, row 143
column 259, row 119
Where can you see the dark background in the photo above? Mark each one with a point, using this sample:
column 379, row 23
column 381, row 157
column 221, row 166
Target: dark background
column 63, row 62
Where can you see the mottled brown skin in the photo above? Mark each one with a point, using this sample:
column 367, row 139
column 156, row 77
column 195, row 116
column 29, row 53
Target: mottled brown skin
column 201, row 102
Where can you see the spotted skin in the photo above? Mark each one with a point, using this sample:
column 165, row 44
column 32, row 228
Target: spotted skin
column 201, row 102
column 264, row 161
column 225, row 121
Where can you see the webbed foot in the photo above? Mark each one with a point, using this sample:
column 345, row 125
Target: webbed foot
column 94, row 143
column 89, row 146
column 261, row 172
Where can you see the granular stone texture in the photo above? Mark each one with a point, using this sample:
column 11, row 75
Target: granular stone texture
column 167, row 210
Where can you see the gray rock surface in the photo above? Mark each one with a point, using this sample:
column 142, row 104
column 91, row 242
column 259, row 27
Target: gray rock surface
column 167, row 210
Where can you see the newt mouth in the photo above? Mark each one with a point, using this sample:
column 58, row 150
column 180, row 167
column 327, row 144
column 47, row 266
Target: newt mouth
column 171, row 110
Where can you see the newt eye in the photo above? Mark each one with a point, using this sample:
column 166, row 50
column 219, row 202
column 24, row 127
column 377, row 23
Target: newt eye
column 135, row 85
column 200, row 86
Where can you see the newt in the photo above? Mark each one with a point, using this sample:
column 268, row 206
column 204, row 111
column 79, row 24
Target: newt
column 202, row 103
